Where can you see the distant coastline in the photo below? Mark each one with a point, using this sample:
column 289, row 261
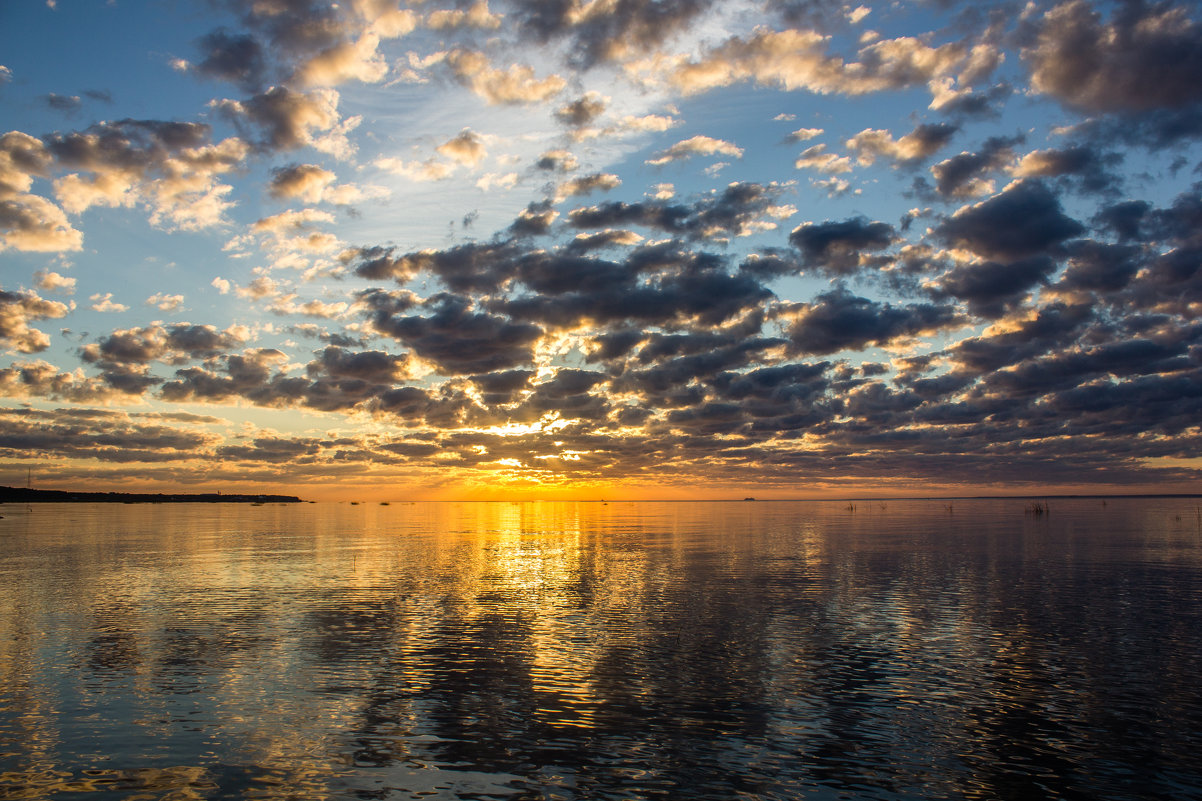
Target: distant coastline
column 22, row 495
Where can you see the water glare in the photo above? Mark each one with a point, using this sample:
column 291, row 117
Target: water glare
column 585, row 651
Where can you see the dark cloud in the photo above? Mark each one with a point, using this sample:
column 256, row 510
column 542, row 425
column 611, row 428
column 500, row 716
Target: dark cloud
column 735, row 211
column 987, row 103
column 991, row 288
column 1146, row 57
column 284, row 118
column 295, row 28
column 556, row 161
column 237, row 58
column 613, row 345
column 246, row 375
column 709, row 296
column 839, row 320
column 126, row 144
column 1123, row 219
column 569, row 394
column 473, row 267
column 173, row 344
column 620, row 28
column 272, row 449
column 672, row 218
column 455, row 337
column 581, row 111
column 558, row 274
column 928, row 138
column 601, row 240
column 1100, row 267
column 504, row 387
column 535, row 220
column 372, row 366
column 1024, row 220
column 1088, row 168
column 835, row 248
column 587, row 184
column 1052, row 327
column 783, row 399
column 964, row 174
column 297, row 180
column 65, row 103
column 97, row 435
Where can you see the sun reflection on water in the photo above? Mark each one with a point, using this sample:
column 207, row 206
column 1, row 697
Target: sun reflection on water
column 592, row 651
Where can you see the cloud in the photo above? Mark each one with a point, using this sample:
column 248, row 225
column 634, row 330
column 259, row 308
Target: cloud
column 288, row 120
column 1081, row 162
column 581, row 111
column 176, row 343
column 477, row 15
column 454, row 337
column 1023, row 220
column 105, row 303
column 170, row 167
column 816, row 158
column 429, row 170
column 838, row 248
column 105, row 436
column 739, row 210
column 350, row 60
column 838, row 320
column 467, row 148
column 68, row 104
column 237, row 58
column 1100, row 266
column 498, row 180
column 165, row 302
column 32, row 223
column 22, row 157
column 584, row 243
column 992, row 288
column 471, row 267
column 41, row 379
column 963, row 175
column 698, row 290
column 51, row 281
column 797, row 60
column 557, row 161
column 803, row 134
column 308, row 182
column 871, row 144
column 696, row 146
column 598, row 32
column 17, row 311
column 1146, row 57
column 514, row 85
column 587, row 184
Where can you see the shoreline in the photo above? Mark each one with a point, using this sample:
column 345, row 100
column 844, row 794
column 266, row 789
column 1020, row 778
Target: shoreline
column 22, row 495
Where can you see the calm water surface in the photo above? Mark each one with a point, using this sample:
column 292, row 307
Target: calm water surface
column 586, row 651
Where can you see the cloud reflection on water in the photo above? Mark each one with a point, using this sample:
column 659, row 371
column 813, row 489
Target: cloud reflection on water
column 587, row 650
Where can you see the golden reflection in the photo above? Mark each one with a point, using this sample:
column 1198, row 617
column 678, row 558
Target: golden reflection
column 319, row 651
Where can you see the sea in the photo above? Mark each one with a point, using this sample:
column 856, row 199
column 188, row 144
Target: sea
column 1001, row 648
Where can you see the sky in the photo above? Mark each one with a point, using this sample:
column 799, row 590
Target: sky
column 601, row 248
